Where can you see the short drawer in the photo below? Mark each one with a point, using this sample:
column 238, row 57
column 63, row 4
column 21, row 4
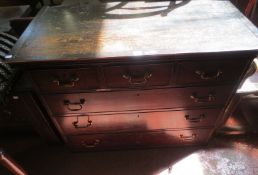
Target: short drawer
column 133, row 76
column 140, row 139
column 209, row 72
column 85, row 124
column 66, row 79
column 79, row 103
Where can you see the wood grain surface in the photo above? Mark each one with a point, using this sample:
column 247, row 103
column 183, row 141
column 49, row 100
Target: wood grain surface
column 97, row 30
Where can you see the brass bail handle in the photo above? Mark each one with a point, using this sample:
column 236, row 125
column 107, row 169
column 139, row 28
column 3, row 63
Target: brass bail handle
column 188, row 138
column 195, row 119
column 90, row 144
column 77, row 125
column 68, row 83
column 203, row 99
column 209, row 75
column 74, row 106
column 134, row 80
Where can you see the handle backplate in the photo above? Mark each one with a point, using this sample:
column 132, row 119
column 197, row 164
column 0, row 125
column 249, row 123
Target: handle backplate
column 187, row 138
column 209, row 75
column 90, row 144
column 195, row 119
column 203, row 99
column 77, row 124
column 74, row 106
column 66, row 82
column 137, row 80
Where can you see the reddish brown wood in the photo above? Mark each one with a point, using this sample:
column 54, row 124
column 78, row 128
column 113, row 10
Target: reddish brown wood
column 90, row 124
column 131, row 76
column 142, row 139
column 66, row 79
column 39, row 120
column 157, row 46
column 61, row 104
column 213, row 71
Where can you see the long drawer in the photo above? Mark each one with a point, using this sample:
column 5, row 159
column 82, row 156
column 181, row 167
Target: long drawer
column 85, row 124
column 62, row 104
column 142, row 139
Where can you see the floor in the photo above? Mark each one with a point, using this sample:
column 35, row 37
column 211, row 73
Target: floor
column 227, row 155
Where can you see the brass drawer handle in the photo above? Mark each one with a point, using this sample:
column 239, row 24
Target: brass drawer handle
column 67, row 83
column 74, row 106
column 195, row 119
column 138, row 80
column 188, row 138
column 77, row 125
column 209, row 75
column 203, row 99
column 90, row 144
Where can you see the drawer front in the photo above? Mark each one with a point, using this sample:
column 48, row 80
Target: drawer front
column 66, row 79
column 209, row 72
column 74, row 125
column 140, row 139
column 137, row 100
column 133, row 76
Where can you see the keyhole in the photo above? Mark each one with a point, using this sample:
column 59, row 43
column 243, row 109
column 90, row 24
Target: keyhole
column 89, row 121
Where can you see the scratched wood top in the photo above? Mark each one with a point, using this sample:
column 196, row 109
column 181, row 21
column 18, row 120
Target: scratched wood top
column 97, row 30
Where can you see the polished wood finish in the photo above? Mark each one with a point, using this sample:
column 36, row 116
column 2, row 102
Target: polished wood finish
column 137, row 100
column 66, row 79
column 213, row 71
column 133, row 76
column 91, row 32
column 136, row 74
column 132, row 140
column 141, row 121
column 39, row 119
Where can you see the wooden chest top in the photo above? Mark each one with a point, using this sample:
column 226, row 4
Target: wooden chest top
column 96, row 30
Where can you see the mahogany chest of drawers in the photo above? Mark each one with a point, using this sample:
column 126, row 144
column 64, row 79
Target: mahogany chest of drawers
column 136, row 74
